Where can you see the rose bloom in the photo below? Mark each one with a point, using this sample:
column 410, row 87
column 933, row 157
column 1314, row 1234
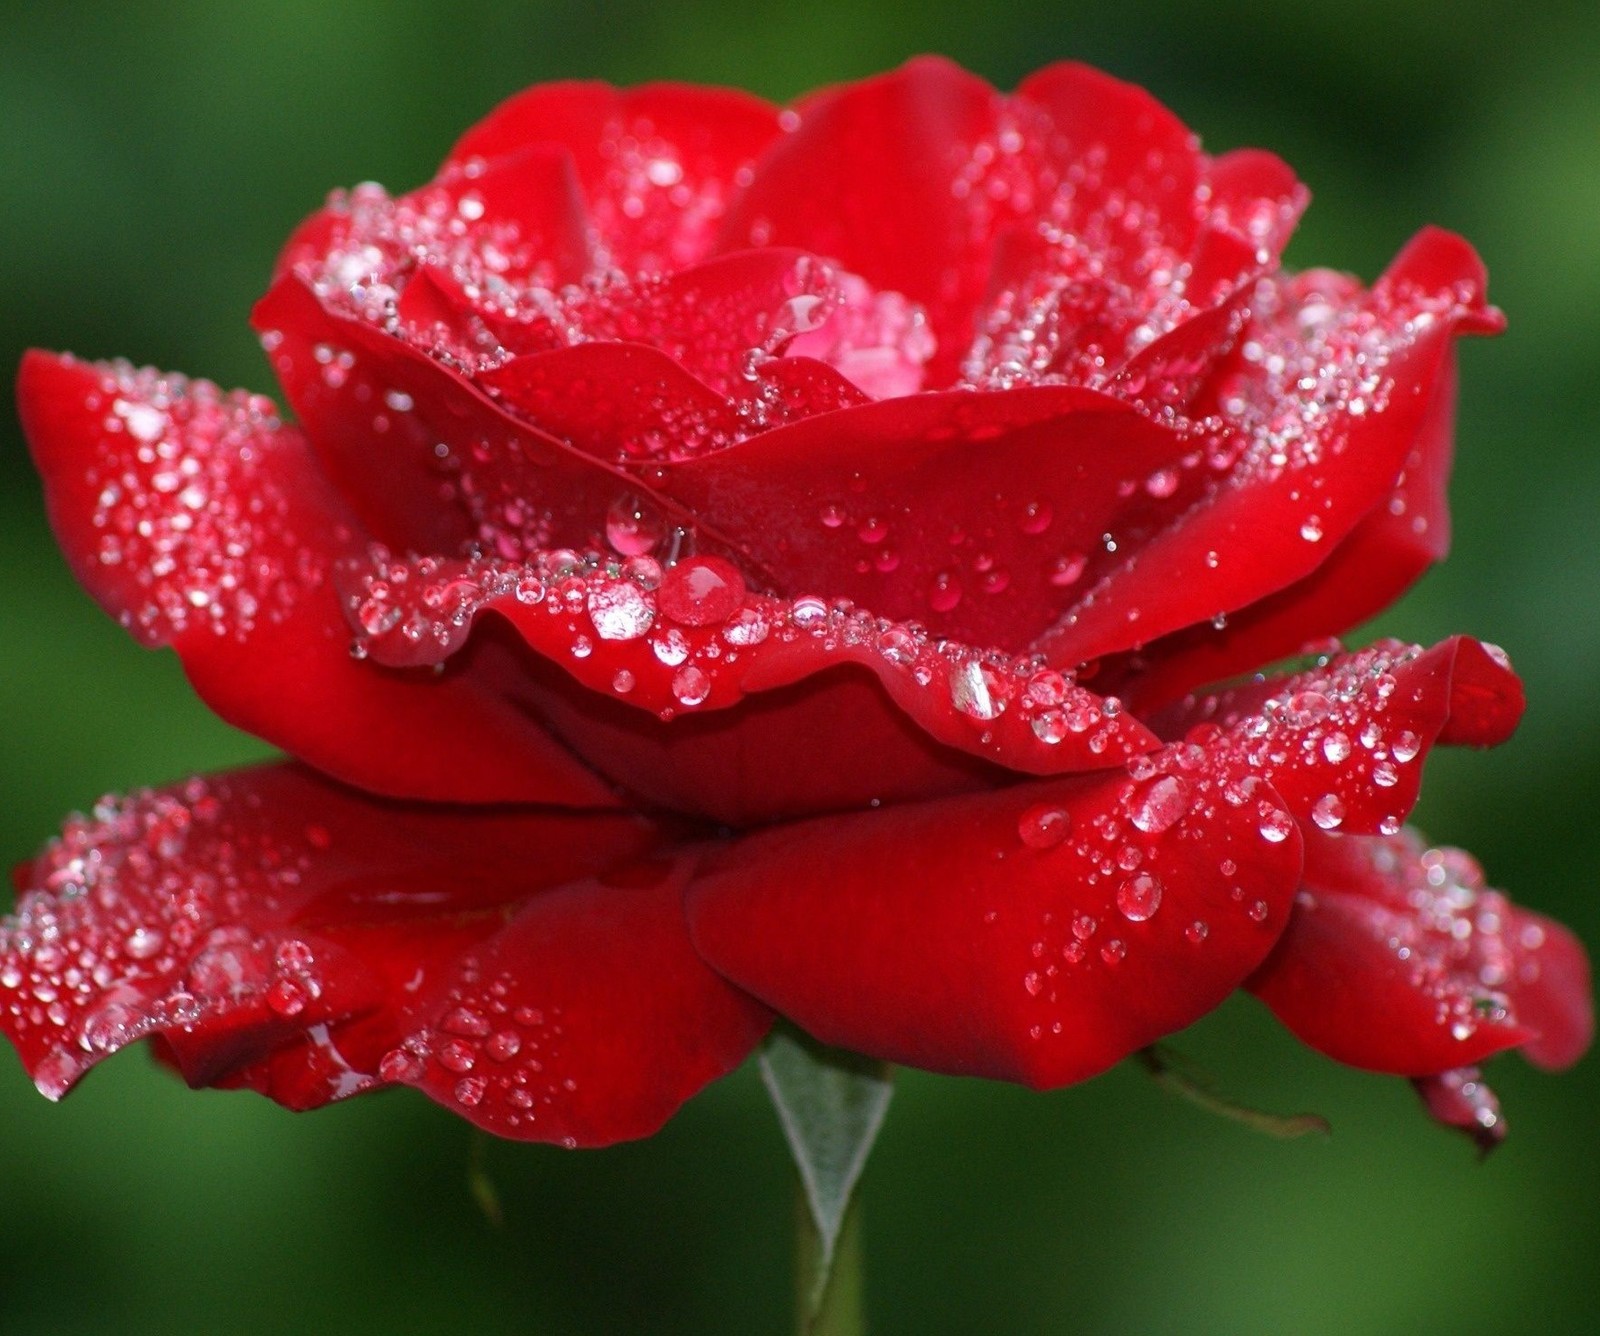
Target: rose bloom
column 737, row 562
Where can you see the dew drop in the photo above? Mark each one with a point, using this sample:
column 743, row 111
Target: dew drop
column 691, row 685
column 700, row 591
column 1155, row 806
column 1139, row 897
column 1328, row 811
column 620, row 611
column 1276, row 825
column 1044, row 826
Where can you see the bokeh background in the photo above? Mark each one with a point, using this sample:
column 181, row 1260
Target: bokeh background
column 153, row 156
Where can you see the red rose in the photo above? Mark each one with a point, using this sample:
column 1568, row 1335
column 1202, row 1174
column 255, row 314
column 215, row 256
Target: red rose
column 737, row 560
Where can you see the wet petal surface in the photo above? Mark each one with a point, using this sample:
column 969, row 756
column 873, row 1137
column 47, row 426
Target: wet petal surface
column 1401, row 958
column 1039, row 934
column 528, row 970
column 199, row 521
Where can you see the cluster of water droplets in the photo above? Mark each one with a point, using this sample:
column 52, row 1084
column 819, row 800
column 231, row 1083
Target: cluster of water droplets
column 1458, row 942
column 190, row 516
column 671, row 630
column 135, row 921
column 1122, row 873
column 484, row 1046
column 1313, row 363
column 1331, row 725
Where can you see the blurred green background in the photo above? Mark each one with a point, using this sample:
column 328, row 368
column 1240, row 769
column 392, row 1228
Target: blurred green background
column 153, row 156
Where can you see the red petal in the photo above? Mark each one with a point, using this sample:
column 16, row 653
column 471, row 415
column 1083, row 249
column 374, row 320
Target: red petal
column 524, row 969
column 886, row 176
column 1038, row 934
column 972, row 513
column 630, row 647
column 1461, row 1100
column 1401, row 959
column 1310, row 463
column 200, row 522
column 659, row 164
column 1382, row 557
column 1256, row 196
column 1345, row 743
column 429, row 462
column 526, row 206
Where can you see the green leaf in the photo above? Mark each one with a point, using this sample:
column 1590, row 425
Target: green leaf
column 831, row 1105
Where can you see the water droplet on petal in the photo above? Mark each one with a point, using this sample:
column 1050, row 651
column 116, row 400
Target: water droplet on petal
column 700, row 591
column 1139, row 897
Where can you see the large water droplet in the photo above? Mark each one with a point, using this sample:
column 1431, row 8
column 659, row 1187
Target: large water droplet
column 700, row 591
column 1139, row 897
column 620, row 611
column 1155, row 806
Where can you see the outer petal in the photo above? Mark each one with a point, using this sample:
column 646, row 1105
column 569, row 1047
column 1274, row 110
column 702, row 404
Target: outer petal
column 1401, row 959
column 837, row 708
column 528, row 970
column 1038, row 934
column 200, row 522
column 1384, row 554
column 1306, row 464
column 1344, row 743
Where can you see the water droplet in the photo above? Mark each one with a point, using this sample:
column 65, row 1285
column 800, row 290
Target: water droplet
column 1276, row 825
column 632, row 527
column 1049, row 726
column 946, row 592
column 1044, row 826
column 1311, row 530
column 620, row 611
column 808, row 612
column 503, row 1045
column 1068, row 569
column 465, row 1021
column 1139, row 897
column 1155, row 806
column 1405, row 746
column 700, row 591
column 399, row 1065
column 142, row 943
column 969, row 691
column 1114, row 951
column 470, row 1091
column 1328, row 811
column 1258, row 911
column 691, row 685
column 1036, row 517
column 456, row 1056
column 1196, row 932
column 286, row 997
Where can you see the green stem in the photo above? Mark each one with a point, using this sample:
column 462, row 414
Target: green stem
column 838, row 1310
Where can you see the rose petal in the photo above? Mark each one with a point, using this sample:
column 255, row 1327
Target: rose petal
column 973, row 514
column 1345, row 743
column 1310, row 463
column 1038, row 934
column 659, row 164
column 525, row 969
column 429, row 462
column 633, row 653
column 200, row 522
column 899, row 179
column 1461, row 1100
column 1401, row 959
column 1384, row 554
